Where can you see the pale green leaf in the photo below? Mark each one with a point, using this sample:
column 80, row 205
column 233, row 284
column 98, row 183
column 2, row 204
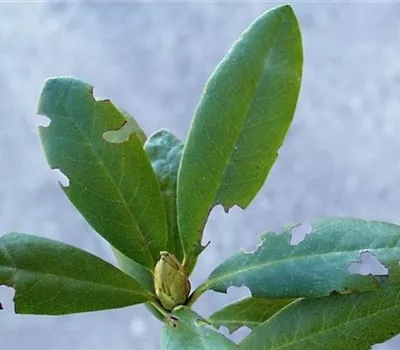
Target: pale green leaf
column 317, row 266
column 53, row 278
column 241, row 122
column 141, row 274
column 138, row 272
column 112, row 184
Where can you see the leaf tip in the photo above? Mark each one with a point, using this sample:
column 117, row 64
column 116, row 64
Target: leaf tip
column 286, row 9
column 55, row 93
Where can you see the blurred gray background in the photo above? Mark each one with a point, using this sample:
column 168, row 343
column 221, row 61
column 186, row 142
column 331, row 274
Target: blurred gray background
column 341, row 157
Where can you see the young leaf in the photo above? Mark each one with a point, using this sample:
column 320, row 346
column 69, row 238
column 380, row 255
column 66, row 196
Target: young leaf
column 187, row 330
column 241, row 121
column 164, row 151
column 53, row 278
column 112, row 184
column 339, row 322
column 141, row 274
column 249, row 312
column 138, row 272
column 317, row 266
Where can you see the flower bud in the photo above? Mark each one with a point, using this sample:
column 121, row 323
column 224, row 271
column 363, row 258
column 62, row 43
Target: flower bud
column 170, row 281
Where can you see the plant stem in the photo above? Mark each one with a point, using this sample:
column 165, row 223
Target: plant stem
column 157, row 310
column 196, row 295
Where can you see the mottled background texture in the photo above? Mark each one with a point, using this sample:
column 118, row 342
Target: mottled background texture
column 341, row 156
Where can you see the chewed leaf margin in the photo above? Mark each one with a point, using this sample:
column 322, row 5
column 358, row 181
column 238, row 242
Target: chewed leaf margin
column 317, row 266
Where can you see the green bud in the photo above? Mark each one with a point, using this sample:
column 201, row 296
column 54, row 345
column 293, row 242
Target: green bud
column 170, row 281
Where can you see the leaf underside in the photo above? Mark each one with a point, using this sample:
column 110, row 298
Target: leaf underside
column 339, row 322
column 53, row 278
column 112, row 183
column 317, row 266
column 240, row 123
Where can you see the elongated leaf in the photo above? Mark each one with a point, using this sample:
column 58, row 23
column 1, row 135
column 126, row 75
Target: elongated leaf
column 164, row 151
column 138, row 272
column 141, row 274
column 112, row 184
column 249, row 312
column 318, row 265
column 339, row 322
column 53, row 278
column 241, row 121
column 189, row 331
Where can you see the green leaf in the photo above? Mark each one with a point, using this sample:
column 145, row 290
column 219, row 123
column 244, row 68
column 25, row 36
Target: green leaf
column 249, row 312
column 111, row 184
column 317, row 266
column 241, row 122
column 138, row 272
column 141, row 274
column 338, row 322
column 164, row 151
column 187, row 330
column 53, row 278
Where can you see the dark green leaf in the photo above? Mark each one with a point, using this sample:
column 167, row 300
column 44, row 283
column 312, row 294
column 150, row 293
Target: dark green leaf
column 249, row 312
column 317, row 266
column 339, row 322
column 53, row 278
column 241, row 122
column 111, row 184
column 187, row 330
column 164, row 151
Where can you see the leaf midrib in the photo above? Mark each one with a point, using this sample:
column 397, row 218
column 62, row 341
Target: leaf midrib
column 105, row 169
column 248, row 107
column 192, row 253
column 276, row 262
column 15, row 271
column 330, row 328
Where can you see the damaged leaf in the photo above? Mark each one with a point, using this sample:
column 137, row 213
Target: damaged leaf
column 53, row 278
column 240, row 123
column 315, row 267
column 122, row 135
column 188, row 330
column 111, row 184
column 340, row 322
column 164, row 151
column 249, row 312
